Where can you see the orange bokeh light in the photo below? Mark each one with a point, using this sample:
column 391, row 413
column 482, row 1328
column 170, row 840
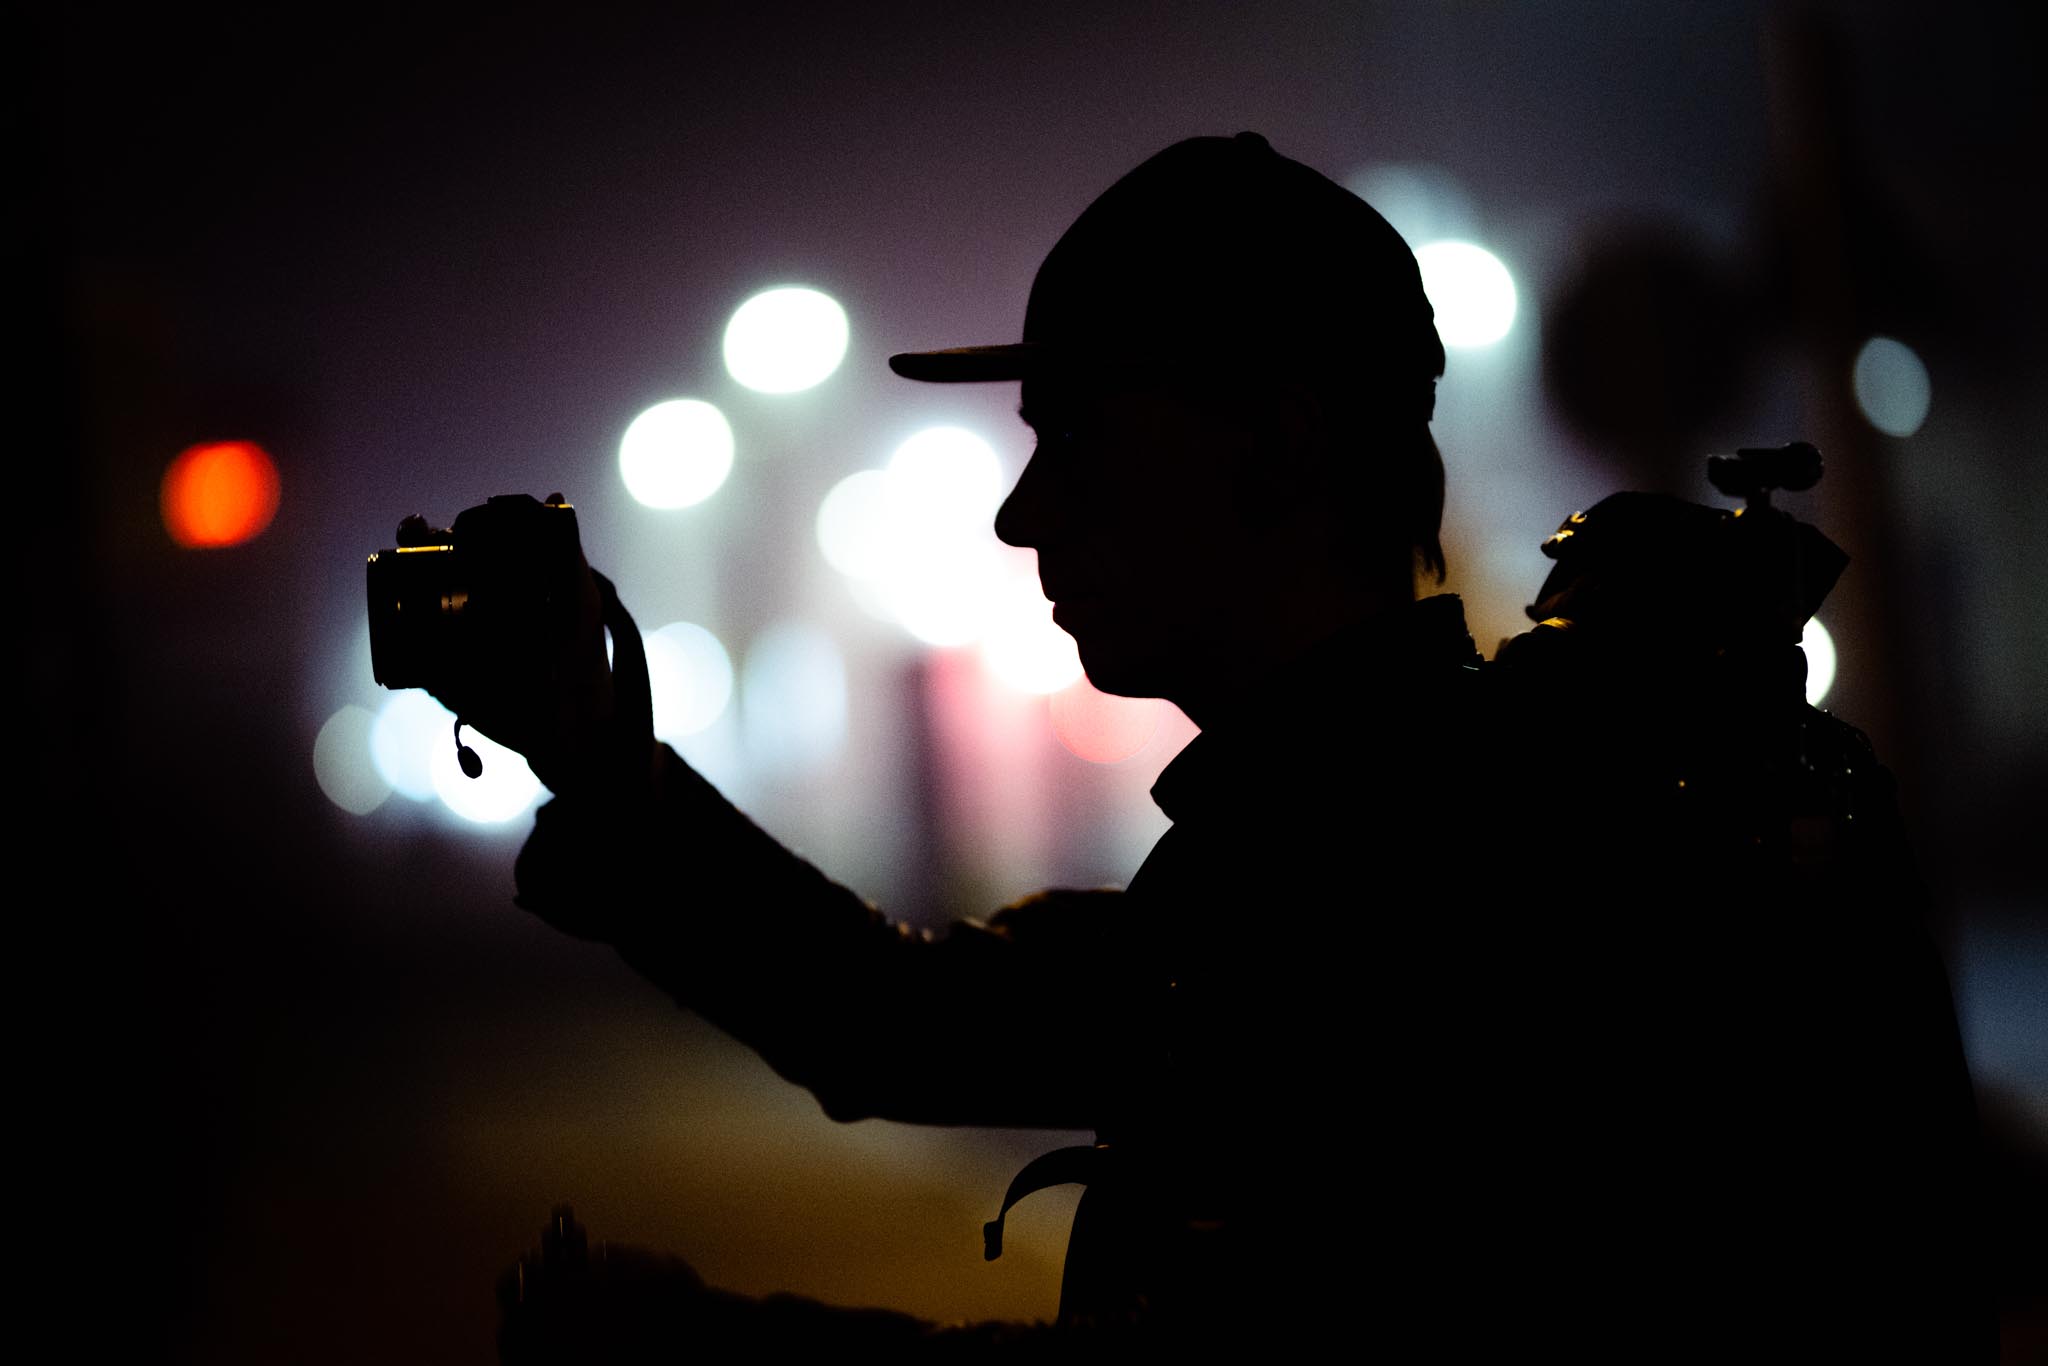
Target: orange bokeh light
column 219, row 493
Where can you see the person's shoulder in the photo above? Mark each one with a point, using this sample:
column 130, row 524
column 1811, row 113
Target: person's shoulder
column 1059, row 913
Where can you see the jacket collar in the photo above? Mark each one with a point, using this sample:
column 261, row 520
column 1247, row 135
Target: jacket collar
column 1373, row 666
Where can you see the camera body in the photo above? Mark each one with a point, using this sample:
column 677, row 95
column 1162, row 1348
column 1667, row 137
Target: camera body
column 441, row 596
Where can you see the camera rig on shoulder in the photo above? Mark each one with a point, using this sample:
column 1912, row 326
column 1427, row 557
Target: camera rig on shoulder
column 1667, row 643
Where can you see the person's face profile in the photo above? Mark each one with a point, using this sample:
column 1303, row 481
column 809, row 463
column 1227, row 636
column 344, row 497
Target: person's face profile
column 1130, row 500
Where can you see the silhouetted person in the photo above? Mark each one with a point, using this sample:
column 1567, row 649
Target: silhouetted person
column 1435, row 1021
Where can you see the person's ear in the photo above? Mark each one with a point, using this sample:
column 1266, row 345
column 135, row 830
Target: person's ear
column 1283, row 471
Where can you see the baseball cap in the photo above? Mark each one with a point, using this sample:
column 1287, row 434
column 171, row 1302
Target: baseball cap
column 1219, row 256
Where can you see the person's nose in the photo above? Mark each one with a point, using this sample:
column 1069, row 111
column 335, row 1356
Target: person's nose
column 1025, row 516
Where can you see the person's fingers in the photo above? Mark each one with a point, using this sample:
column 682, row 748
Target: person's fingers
column 541, row 687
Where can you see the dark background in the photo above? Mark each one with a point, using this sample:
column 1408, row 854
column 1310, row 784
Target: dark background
column 305, row 1082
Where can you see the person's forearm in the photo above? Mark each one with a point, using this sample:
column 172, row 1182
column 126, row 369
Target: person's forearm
column 875, row 1018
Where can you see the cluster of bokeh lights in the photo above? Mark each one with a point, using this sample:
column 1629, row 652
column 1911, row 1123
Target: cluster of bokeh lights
column 784, row 340
column 915, row 538
column 916, row 542
column 785, row 712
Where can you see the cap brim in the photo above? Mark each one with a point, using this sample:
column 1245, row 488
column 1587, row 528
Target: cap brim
column 966, row 364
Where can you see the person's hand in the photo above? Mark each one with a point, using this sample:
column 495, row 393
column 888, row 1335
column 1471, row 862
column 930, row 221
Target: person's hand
column 544, row 689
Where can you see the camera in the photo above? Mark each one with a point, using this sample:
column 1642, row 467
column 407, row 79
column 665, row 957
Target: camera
column 441, row 596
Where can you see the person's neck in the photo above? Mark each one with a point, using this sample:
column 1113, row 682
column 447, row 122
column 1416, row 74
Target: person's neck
column 1245, row 663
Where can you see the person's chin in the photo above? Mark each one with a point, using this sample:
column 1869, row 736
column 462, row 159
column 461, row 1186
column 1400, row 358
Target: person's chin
column 1116, row 668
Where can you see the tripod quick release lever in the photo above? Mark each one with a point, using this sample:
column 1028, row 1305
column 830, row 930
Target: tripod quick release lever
column 1752, row 472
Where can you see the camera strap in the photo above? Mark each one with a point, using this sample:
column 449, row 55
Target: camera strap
column 632, row 695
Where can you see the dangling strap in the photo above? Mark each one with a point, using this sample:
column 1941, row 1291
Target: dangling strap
column 1076, row 1166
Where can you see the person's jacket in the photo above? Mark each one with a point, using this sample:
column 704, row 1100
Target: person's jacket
column 1429, row 1015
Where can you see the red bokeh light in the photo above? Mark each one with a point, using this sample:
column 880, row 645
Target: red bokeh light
column 219, row 493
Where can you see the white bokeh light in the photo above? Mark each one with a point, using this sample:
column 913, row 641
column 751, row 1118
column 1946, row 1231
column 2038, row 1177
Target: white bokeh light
column 792, row 701
column 1892, row 387
column 946, row 573
column 1471, row 291
column 944, row 482
column 916, row 538
column 785, row 340
column 1101, row 728
column 676, row 454
column 342, row 764
column 690, row 675
column 1424, row 203
column 1820, row 660
column 403, row 739
column 505, row 790
column 945, row 594
column 1023, row 646
column 872, row 596
column 853, row 525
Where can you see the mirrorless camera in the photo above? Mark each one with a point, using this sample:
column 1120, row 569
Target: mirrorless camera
column 440, row 595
